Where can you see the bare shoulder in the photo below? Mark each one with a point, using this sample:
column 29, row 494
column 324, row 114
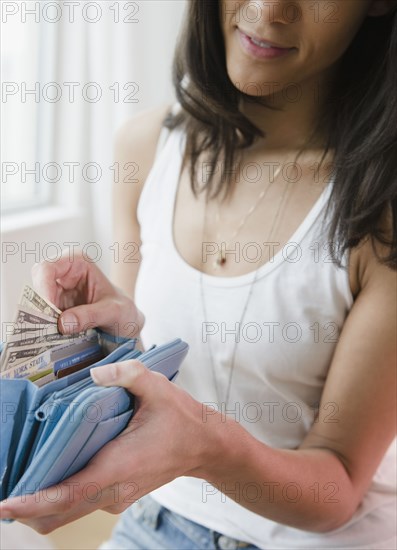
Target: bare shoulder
column 364, row 266
column 135, row 144
column 136, row 140
column 369, row 270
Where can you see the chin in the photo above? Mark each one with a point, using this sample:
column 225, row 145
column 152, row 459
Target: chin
column 254, row 84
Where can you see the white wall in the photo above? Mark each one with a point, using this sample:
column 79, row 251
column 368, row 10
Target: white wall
column 105, row 52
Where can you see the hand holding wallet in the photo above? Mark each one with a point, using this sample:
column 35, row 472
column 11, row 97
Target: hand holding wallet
column 49, row 433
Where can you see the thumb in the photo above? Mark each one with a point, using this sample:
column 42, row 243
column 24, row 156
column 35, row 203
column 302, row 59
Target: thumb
column 84, row 317
column 131, row 374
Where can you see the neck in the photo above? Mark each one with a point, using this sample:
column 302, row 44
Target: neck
column 290, row 124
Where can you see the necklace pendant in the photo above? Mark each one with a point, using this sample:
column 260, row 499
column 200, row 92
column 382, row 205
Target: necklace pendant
column 221, row 259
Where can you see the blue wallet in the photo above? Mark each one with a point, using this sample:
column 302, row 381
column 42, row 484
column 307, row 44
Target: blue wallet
column 49, row 433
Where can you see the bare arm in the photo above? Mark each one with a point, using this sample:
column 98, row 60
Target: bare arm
column 134, row 150
column 329, row 473
column 316, row 487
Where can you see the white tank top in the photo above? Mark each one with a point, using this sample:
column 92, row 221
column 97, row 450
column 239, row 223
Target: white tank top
column 289, row 332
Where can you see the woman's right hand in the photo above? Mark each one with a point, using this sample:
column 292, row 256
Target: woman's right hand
column 75, row 284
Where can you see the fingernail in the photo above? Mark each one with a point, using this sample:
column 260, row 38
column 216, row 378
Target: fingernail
column 105, row 374
column 69, row 322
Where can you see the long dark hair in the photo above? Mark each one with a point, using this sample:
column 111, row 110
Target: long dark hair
column 361, row 122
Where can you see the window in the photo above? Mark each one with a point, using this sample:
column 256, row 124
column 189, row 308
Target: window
column 26, row 120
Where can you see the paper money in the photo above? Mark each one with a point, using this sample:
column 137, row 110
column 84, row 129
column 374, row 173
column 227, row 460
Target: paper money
column 15, row 354
column 33, row 317
column 43, row 333
column 64, row 356
column 13, row 357
column 29, row 367
column 35, row 349
column 31, row 299
column 20, row 331
column 34, row 312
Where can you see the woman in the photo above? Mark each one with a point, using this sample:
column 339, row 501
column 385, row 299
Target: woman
column 278, row 431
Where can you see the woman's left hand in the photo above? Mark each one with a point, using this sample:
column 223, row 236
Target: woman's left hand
column 164, row 440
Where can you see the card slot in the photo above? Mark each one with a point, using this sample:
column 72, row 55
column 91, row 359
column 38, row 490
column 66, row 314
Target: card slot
column 66, row 381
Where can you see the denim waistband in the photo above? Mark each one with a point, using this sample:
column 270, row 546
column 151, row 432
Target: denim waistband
column 150, row 511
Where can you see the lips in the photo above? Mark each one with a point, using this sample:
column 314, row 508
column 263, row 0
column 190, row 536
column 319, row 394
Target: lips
column 269, row 42
column 266, row 51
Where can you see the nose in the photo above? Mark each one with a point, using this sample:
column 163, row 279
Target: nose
column 272, row 11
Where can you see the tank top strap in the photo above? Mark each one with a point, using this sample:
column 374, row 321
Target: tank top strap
column 165, row 132
column 156, row 201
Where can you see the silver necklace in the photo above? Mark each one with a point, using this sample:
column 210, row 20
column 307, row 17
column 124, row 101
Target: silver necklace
column 221, row 257
column 260, row 197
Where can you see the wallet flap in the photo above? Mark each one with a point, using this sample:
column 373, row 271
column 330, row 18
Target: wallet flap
column 166, row 358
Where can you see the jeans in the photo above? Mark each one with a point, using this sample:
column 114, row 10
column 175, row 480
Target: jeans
column 147, row 525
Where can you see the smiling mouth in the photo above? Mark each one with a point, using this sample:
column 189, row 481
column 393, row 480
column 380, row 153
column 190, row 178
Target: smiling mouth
column 259, row 49
column 262, row 42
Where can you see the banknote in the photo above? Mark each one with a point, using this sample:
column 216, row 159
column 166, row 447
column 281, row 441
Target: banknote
column 35, row 349
column 31, row 299
column 30, row 367
column 32, row 317
column 45, row 333
column 18, row 354
column 56, row 358
column 13, row 357
column 19, row 331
